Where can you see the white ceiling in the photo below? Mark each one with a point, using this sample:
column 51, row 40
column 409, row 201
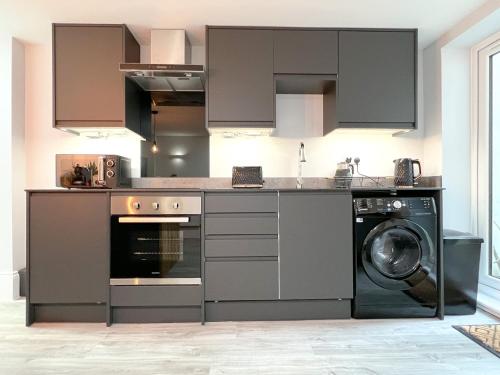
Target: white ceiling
column 30, row 20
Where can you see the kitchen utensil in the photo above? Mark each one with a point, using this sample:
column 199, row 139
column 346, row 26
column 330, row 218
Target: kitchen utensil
column 344, row 169
column 404, row 172
column 247, row 177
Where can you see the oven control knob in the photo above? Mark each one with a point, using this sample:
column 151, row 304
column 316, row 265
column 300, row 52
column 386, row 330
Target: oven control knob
column 156, row 206
column 136, row 205
column 176, row 205
column 396, row 204
column 110, row 163
column 110, row 173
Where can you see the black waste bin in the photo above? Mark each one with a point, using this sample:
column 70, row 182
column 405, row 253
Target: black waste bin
column 461, row 255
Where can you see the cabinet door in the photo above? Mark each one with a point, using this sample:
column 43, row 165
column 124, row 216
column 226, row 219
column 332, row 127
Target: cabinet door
column 68, row 247
column 240, row 78
column 252, row 280
column 305, row 52
column 376, row 82
column 315, row 246
column 88, row 84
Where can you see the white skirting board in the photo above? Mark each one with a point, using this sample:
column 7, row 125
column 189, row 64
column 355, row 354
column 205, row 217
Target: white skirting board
column 9, row 286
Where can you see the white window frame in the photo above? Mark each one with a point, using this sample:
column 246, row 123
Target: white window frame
column 480, row 156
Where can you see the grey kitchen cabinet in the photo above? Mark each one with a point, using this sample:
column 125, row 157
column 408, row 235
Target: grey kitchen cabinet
column 243, row 224
column 68, row 248
column 241, row 202
column 240, row 78
column 305, row 51
column 315, row 245
column 89, row 89
column 155, row 295
column 377, row 79
column 242, row 246
column 241, row 280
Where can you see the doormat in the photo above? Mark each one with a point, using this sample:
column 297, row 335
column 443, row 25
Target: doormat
column 486, row 335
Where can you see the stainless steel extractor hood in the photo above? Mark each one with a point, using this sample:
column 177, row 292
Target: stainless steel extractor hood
column 170, row 67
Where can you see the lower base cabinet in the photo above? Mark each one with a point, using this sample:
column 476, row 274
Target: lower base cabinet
column 67, row 256
column 78, row 313
column 316, row 253
column 155, row 303
column 298, row 268
column 277, row 310
column 241, row 280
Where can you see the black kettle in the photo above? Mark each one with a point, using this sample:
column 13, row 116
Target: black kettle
column 404, row 173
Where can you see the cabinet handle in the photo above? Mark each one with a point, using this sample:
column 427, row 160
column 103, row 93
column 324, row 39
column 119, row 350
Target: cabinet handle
column 149, row 219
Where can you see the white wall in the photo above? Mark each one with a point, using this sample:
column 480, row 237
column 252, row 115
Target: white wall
column 6, row 265
column 12, row 216
column 432, row 110
column 447, row 110
column 455, row 73
column 18, row 153
column 299, row 118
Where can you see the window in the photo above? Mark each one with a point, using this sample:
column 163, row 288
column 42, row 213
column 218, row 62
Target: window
column 485, row 136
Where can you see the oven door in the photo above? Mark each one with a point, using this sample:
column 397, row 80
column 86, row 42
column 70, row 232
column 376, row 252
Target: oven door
column 152, row 250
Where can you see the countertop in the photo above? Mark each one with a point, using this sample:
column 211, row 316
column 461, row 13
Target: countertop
column 356, row 184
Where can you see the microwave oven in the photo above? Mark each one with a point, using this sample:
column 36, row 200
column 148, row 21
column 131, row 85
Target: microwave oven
column 90, row 171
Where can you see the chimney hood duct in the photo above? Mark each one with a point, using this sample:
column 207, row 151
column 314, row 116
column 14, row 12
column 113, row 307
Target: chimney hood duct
column 170, row 68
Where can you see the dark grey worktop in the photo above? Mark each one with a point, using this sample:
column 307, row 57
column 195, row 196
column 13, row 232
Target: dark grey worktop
column 270, row 184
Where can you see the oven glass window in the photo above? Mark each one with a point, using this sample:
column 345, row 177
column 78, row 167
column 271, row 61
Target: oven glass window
column 157, row 250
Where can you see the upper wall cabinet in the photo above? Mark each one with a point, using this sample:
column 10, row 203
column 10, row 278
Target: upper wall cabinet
column 305, row 52
column 89, row 89
column 240, row 70
column 377, row 79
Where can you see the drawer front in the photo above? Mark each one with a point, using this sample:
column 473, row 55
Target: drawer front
column 242, row 247
column 241, row 224
column 241, row 202
column 155, row 295
column 241, row 281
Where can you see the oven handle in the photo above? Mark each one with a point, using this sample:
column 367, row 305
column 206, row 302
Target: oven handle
column 152, row 219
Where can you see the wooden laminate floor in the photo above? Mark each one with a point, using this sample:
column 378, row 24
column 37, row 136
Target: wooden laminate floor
column 409, row 346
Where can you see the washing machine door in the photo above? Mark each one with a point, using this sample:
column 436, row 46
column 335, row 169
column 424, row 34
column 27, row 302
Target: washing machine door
column 398, row 254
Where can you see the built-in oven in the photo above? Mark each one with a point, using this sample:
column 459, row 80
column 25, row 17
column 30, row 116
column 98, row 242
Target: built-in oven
column 155, row 240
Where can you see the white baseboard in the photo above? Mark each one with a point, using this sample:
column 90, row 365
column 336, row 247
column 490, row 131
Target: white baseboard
column 9, row 286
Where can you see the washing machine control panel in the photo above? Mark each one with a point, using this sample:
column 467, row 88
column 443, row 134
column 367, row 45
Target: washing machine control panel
column 413, row 205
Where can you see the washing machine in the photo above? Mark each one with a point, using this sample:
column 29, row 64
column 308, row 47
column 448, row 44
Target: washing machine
column 395, row 257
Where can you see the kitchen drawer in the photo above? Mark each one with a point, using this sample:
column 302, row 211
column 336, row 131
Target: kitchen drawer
column 242, row 247
column 155, row 295
column 241, row 280
column 229, row 224
column 241, row 202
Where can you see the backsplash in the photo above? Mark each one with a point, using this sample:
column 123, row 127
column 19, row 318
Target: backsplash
column 279, row 156
column 299, row 119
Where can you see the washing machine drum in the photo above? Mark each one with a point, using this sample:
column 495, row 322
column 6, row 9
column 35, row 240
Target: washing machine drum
column 398, row 254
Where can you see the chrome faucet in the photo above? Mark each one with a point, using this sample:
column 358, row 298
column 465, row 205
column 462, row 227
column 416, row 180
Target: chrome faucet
column 302, row 160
